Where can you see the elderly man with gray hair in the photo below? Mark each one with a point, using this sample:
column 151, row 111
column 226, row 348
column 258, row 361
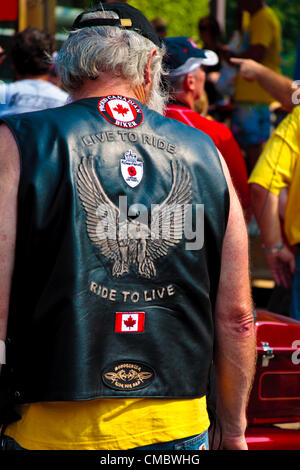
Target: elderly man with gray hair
column 128, row 223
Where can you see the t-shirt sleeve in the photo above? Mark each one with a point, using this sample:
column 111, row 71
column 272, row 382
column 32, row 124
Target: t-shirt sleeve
column 276, row 164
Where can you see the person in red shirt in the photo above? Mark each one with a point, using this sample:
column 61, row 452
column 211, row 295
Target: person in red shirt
column 186, row 79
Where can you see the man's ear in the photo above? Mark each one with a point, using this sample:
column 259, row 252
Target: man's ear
column 148, row 79
column 189, row 82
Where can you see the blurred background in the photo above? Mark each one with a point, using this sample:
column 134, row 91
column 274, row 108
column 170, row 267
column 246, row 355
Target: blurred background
column 181, row 18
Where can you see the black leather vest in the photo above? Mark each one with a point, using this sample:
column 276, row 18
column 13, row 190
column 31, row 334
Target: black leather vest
column 102, row 304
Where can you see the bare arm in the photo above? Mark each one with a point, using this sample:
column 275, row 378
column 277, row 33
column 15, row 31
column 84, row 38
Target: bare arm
column 9, row 182
column 235, row 350
column 279, row 86
column 266, row 210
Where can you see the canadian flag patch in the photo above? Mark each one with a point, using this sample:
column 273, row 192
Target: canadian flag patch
column 130, row 322
column 121, row 111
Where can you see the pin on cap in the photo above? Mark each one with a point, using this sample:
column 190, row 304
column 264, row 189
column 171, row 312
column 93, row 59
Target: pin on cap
column 129, row 18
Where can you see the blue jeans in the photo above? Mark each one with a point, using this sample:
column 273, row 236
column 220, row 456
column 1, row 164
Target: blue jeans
column 251, row 123
column 197, row 442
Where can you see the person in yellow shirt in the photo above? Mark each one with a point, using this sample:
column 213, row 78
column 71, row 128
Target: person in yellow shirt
column 251, row 117
column 277, row 169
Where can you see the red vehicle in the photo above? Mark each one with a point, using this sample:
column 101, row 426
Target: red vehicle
column 274, row 405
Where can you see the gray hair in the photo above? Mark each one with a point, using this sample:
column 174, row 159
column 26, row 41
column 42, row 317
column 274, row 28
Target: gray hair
column 91, row 51
column 175, row 84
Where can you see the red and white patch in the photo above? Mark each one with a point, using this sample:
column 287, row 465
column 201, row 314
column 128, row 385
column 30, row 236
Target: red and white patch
column 121, row 111
column 132, row 169
column 130, row 322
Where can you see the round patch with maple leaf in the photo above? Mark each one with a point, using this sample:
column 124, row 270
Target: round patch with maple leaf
column 120, row 111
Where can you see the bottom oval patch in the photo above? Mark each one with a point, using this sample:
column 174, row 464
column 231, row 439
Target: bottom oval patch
column 128, row 375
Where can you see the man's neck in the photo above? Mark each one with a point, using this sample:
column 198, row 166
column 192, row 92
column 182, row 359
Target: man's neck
column 174, row 101
column 106, row 85
column 186, row 99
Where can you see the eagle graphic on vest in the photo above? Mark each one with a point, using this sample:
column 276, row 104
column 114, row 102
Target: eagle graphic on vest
column 128, row 242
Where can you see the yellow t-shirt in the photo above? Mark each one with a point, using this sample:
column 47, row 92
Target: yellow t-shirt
column 264, row 29
column 107, row 424
column 279, row 167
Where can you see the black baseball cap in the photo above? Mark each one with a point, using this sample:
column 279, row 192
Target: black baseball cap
column 129, row 18
column 183, row 56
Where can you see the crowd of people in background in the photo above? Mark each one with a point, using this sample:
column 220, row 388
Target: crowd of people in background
column 230, row 99
column 246, row 91
column 248, row 83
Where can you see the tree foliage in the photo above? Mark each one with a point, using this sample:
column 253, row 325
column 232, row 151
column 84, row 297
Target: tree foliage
column 182, row 16
column 288, row 13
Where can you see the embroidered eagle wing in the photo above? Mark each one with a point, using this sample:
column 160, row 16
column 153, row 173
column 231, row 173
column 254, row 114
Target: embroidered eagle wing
column 167, row 218
column 102, row 215
column 102, row 221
